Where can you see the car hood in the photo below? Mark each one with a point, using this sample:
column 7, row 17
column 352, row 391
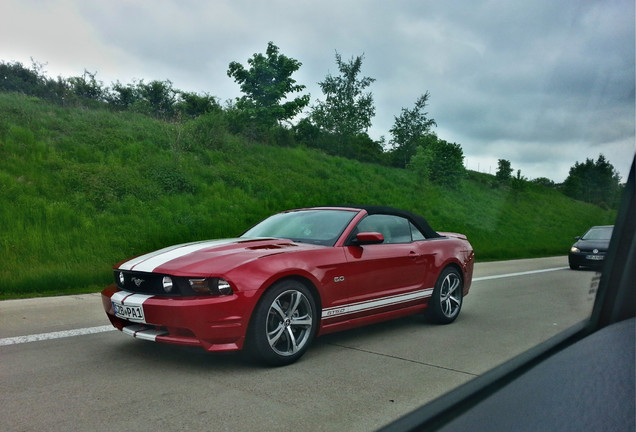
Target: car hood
column 212, row 256
column 592, row 244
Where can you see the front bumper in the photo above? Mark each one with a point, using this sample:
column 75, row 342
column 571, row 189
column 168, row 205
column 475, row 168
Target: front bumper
column 586, row 259
column 213, row 323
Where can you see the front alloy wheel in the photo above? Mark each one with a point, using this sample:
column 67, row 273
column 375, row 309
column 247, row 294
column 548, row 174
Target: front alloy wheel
column 284, row 323
column 446, row 301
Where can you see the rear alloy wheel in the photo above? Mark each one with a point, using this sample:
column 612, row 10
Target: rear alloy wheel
column 283, row 324
column 447, row 298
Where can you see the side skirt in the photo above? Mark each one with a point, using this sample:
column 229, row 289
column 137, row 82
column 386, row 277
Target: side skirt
column 327, row 327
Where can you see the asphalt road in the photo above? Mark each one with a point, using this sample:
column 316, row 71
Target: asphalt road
column 63, row 369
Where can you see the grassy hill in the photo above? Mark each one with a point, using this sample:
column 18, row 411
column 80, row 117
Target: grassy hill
column 81, row 189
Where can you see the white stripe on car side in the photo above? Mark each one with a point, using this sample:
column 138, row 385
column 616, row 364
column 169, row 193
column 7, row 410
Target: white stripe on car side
column 152, row 260
column 352, row 308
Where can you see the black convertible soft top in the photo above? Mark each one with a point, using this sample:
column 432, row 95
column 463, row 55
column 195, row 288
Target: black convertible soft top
column 417, row 220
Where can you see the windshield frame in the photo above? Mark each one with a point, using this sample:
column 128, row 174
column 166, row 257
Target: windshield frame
column 319, row 226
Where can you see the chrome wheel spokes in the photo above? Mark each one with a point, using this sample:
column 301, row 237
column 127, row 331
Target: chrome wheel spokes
column 289, row 322
column 450, row 295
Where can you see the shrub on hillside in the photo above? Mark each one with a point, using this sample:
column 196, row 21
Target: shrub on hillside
column 440, row 162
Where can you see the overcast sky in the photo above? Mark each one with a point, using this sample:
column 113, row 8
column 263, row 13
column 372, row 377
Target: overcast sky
column 541, row 83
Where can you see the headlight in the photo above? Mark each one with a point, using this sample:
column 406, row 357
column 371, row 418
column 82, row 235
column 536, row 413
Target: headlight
column 575, row 249
column 120, row 278
column 223, row 287
column 167, row 284
column 200, row 286
column 213, row 286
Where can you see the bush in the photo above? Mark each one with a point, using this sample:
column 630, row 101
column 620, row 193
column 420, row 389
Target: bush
column 440, row 162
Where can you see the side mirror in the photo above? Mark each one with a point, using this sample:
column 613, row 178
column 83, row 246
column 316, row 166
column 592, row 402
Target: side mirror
column 365, row 238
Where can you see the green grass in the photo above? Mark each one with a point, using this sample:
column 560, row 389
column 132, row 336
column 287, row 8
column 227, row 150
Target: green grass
column 83, row 189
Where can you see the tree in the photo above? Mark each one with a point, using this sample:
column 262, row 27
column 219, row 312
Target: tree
column 86, row 86
column 518, row 184
column 122, row 96
column 440, row 162
column 410, row 127
column 194, row 105
column 265, row 85
column 363, row 148
column 158, row 97
column 17, row 78
column 346, row 110
column 504, row 171
column 543, row 181
column 594, row 182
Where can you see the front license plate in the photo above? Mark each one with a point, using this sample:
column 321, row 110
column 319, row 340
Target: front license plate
column 132, row 313
column 595, row 257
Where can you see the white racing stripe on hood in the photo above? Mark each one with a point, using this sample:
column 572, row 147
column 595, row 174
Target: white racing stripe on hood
column 128, row 265
column 152, row 260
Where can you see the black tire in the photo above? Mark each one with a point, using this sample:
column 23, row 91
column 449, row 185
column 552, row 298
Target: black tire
column 283, row 324
column 446, row 301
column 574, row 266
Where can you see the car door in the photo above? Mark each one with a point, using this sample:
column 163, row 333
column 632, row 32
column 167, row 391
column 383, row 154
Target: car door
column 388, row 275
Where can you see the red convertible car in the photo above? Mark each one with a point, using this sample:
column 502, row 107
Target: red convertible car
column 296, row 275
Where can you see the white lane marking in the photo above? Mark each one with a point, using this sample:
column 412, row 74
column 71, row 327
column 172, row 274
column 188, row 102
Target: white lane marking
column 55, row 335
column 517, row 274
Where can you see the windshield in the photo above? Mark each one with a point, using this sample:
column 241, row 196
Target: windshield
column 598, row 233
column 306, row 226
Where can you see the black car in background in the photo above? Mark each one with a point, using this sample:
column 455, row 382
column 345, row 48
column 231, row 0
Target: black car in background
column 590, row 249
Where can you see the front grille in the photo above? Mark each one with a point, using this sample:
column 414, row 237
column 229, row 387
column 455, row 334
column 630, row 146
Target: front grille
column 591, row 251
column 151, row 283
